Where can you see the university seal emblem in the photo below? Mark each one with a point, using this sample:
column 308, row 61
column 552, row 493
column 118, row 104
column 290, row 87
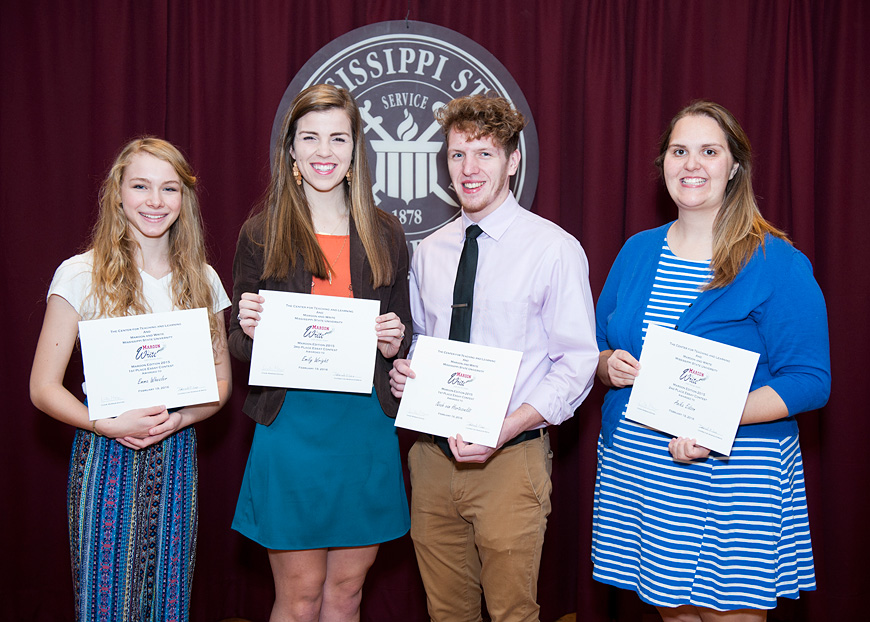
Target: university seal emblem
column 400, row 72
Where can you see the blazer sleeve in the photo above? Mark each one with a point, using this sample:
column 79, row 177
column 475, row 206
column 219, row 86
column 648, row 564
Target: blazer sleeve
column 399, row 299
column 393, row 297
column 247, row 267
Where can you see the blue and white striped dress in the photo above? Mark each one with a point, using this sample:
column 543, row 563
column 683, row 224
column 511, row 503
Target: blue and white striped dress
column 724, row 533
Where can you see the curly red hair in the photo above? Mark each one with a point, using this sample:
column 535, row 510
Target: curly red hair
column 483, row 115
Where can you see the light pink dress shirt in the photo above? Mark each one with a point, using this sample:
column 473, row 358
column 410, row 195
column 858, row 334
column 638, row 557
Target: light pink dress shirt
column 531, row 294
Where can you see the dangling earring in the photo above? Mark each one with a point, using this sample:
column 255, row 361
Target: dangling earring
column 296, row 174
column 349, row 176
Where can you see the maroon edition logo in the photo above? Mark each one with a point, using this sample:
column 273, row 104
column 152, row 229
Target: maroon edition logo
column 692, row 376
column 459, row 378
column 316, row 331
column 400, row 72
column 148, row 351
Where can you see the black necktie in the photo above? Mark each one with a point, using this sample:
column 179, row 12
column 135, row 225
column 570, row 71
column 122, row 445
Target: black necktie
column 463, row 288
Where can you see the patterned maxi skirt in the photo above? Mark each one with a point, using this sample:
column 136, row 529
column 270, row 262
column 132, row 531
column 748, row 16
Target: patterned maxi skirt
column 132, row 521
column 724, row 533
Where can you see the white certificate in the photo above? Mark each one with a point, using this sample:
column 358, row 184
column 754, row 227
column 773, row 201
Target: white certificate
column 692, row 387
column 147, row 360
column 460, row 388
column 315, row 342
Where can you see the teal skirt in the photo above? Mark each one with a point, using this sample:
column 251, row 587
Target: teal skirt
column 326, row 473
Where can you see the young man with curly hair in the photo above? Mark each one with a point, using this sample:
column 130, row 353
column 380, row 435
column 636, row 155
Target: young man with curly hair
column 478, row 514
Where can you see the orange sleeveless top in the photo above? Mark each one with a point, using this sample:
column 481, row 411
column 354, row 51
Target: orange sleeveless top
column 335, row 249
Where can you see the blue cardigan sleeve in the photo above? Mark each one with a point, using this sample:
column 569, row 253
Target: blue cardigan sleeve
column 620, row 306
column 793, row 324
column 607, row 303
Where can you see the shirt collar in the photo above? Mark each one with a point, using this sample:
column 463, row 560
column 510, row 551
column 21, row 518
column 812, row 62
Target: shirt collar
column 498, row 221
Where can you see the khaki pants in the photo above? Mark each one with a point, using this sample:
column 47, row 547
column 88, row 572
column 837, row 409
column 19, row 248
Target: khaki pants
column 480, row 526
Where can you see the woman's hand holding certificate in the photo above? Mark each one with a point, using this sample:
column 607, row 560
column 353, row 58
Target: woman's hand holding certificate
column 140, row 361
column 324, row 343
column 691, row 387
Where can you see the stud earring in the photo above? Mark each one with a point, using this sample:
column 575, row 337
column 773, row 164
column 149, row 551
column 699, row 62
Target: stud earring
column 349, row 176
column 296, row 174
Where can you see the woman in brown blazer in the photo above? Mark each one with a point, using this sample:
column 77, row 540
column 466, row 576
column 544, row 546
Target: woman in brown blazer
column 323, row 485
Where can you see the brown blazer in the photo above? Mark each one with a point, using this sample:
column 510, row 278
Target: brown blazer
column 263, row 403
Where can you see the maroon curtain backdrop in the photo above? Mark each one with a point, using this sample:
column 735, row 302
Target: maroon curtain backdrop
column 602, row 78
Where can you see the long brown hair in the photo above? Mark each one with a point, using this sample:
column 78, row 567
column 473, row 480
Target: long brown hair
column 288, row 228
column 739, row 227
column 117, row 286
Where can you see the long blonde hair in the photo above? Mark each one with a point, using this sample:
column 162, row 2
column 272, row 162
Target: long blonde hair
column 288, row 228
column 117, row 286
column 739, row 228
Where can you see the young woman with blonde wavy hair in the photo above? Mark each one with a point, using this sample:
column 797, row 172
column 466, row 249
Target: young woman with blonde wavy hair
column 133, row 478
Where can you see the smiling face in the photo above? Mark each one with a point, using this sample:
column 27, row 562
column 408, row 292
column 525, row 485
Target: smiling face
column 323, row 150
column 698, row 164
column 151, row 196
column 480, row 172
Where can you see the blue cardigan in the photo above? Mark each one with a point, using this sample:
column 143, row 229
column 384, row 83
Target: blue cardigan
column 774, row 307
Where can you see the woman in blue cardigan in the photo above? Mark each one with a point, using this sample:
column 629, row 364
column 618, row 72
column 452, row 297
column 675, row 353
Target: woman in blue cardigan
column 699, row 535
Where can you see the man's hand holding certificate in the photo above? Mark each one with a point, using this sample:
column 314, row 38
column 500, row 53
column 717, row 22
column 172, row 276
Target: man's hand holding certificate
column 147, row 360
column 323, row 343
column 691, row 387
column 459, row 388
